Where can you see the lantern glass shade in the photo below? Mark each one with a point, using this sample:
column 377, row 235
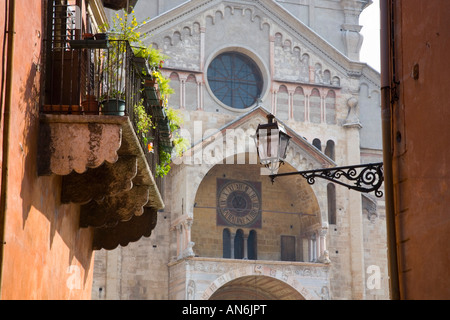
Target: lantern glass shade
column 271, row 142
column 283, row 145
column 267, row 146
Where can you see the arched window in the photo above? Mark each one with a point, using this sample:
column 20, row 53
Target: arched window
column 313, row 248
column 329, row 150
column 226, row 239
column 317, row 143
column 175, row 98
column 299, row 105
column 318, row 76
column 252, row 245
column 191, row 95
column 283, row 103
column 331, row 197
column 239, row 244
column 336, row 81
column 327, row 77
column 314, row 107
column 330, row 107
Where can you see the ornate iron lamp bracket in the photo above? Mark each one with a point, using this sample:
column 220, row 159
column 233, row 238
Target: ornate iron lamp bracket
column 363, row 178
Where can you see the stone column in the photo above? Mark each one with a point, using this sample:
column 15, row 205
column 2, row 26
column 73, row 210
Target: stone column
column 202, row 48
column 291, row 104
column 187, row 244
column 183, row 93
column 232, row 236
column 307, row 95
column 179, row 231
column 354, row 210
column 322, row 240
column 324, row 256
column 245, row 246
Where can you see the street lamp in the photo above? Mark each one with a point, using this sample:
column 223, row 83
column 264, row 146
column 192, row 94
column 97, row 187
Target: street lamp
column 272, row 141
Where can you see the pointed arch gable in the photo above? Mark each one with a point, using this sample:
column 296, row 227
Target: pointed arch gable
column 302, row 155
column 247, row 124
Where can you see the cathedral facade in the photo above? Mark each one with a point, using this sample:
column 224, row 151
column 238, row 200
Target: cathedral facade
column 227, row 231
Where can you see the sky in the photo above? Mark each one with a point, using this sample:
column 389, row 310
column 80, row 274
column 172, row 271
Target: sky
column 370, row 20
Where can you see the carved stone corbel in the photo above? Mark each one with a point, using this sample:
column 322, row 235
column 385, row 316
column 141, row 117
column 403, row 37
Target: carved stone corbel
column 95, row 184
column 113, row 209
column 126, row 231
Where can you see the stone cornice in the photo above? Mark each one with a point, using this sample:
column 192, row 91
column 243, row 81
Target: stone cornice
column 251, row 262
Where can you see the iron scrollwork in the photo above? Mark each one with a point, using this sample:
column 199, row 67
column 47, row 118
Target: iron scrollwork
column 363, row 178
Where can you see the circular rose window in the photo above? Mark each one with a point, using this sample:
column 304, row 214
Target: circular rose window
column 235, row 80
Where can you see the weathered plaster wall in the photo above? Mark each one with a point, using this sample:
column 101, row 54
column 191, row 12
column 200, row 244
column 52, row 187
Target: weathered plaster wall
column 46, row 255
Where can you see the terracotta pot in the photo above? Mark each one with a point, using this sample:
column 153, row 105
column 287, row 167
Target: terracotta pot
column 63, row 109
column 150, row 82
column 90, row 105
column 87, row 36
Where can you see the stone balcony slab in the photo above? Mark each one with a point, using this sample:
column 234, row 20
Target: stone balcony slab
column 104, row 170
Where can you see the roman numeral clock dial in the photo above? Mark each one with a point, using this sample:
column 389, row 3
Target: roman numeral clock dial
column 238, row 203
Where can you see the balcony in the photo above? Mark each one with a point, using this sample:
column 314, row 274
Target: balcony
column 90, row 132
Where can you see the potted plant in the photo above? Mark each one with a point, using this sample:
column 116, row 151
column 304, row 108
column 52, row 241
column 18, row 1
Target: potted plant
column 113, row 103
column 113, row 65
column 90, row 105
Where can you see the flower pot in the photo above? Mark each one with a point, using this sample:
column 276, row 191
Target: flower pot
column 115, row 107
column 88, row 36
column 90, row 105
column 141, row 66
column 63, row 109
column 152, row 96
column 151, row 82
column 101, row 36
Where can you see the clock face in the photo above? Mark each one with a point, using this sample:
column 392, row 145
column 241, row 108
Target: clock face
column 238, row 203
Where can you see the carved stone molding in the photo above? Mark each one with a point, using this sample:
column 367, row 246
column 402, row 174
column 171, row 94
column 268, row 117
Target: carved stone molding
column 126, row 232
column 114, row 209
column 95, row 184
column 67, row 144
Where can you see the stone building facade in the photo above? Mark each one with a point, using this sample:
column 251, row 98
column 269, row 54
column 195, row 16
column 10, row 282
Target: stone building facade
column 233, row 62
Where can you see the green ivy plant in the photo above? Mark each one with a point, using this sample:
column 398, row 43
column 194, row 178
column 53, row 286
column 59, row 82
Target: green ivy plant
column 143, row 121
column 125, row 27
column 180, row 144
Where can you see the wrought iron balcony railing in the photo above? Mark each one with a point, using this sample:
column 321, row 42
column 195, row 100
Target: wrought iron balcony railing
column 94, row 75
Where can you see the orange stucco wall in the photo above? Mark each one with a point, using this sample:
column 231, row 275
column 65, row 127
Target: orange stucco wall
column 421, row 156
column 45, row 254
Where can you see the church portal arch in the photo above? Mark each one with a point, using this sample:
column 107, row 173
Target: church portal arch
column 290, row 206
column 257, row 282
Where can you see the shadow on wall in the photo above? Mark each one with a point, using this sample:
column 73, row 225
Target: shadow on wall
column 43, row 193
